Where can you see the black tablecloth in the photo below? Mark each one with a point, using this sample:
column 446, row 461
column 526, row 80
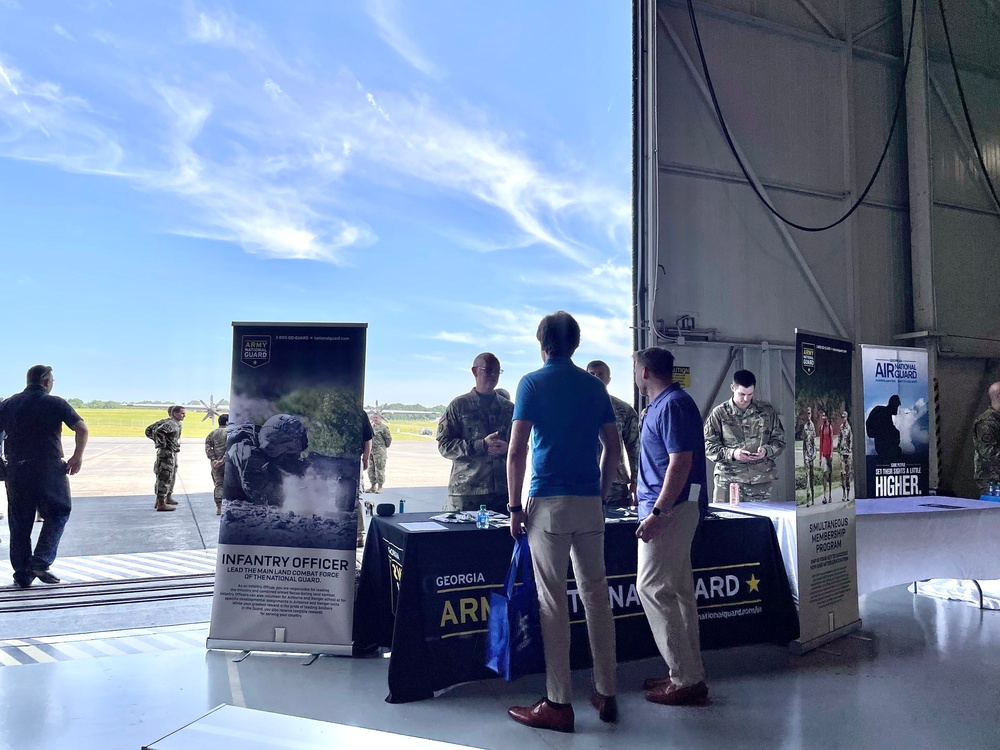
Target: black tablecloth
column 425, row 595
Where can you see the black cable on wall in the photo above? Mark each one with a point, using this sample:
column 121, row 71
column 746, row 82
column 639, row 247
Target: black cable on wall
column 732, row 147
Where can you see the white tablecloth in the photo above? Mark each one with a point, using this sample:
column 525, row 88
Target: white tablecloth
column 905, row 539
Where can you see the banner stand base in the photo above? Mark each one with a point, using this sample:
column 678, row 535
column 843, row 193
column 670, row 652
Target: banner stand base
column 285, row 648
column 799, row 647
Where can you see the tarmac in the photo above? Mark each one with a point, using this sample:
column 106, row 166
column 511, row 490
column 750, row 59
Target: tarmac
column 113, row 532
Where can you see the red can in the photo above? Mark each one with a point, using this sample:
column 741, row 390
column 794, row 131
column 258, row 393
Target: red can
column 734, row 493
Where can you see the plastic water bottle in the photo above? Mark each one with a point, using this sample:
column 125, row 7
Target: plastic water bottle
column 402, row 505
column 482, row 518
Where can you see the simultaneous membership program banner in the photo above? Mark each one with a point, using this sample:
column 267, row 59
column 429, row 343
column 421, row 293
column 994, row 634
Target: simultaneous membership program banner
column 286, row 561
column 824, row 493
column 897, row 423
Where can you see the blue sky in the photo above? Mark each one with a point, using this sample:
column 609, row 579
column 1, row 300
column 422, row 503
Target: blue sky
column 446, row 172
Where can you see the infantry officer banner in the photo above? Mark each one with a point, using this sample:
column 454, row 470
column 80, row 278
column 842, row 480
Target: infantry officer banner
column 285, row 571
column 824, row 492
column 897, row 441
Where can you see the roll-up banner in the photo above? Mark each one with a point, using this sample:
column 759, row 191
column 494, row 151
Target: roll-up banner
column 285, row 570
column 824, row 494
column 897, row 423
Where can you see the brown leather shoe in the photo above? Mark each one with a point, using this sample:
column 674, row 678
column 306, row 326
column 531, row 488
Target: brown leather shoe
column 606, row 705
column 543, row 716
column 672, row 695
column 653, row 683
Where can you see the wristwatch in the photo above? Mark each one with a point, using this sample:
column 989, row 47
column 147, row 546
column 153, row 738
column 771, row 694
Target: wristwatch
column 514, row 508
column 656, row 511
column 668, row 513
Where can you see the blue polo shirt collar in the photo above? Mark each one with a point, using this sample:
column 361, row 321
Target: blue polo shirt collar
column 675, row 386
column 555, row 361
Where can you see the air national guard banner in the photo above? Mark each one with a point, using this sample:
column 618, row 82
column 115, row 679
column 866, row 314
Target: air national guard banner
column 285, row 571
column 897, row 440
column 824, row 492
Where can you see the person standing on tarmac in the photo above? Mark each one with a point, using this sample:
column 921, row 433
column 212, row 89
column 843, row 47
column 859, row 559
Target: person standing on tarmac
column 215, row 449
column 166, row 436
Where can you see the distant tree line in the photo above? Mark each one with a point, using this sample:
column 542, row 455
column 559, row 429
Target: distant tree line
column 439, row 409
column 79, row 403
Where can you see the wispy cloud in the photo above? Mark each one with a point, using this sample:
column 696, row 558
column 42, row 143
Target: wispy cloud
column 471, row 156
column 63, row 33
column 512, row 332
column 220, row 28
column 43, row 123
column 274, row 166
column 387, row 15
column 272, row 89
column 455, row 337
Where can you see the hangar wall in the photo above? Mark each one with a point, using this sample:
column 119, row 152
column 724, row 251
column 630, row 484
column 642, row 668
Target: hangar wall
column 808, row 88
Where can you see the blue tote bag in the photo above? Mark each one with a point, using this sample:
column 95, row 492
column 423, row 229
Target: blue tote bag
column 514, row 648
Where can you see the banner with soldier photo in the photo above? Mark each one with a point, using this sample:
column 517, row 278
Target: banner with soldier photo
column 286, row 559
column 897, row 422
column 824, row 489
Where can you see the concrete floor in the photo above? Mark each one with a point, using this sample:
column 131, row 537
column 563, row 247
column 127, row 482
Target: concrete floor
column 924, row 673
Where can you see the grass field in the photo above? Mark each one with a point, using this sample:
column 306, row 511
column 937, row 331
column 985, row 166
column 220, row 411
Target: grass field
column 132, row 423
column 411, row 430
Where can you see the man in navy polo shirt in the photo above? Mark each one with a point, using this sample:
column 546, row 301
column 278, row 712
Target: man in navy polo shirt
column 566, row 411
column 36, row 473
column 672, row 499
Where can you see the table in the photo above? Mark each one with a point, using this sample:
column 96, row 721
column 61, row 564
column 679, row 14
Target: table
column 906, row 539
column 424, row 593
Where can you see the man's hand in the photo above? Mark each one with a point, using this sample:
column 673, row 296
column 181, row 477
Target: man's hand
column 495, row 445
column 633, row 497
column 217, row 463
column 364, row 463
column 746, row 456
column 517, row 519
column 652, row 526
column 74, row 464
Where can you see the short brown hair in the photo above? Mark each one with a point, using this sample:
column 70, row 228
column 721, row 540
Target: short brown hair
column 38, row 374
column 559, row 334
column 174, row 409
column 658, row 361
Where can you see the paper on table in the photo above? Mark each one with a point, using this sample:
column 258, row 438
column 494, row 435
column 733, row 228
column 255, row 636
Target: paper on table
column 422, row 526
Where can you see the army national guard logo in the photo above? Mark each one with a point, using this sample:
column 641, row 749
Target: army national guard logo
column 255, row 351
column 808, row 358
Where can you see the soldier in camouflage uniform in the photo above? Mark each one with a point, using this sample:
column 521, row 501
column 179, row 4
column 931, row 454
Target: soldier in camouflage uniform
column 986, row 441
column 809, row 454
column 845, row 447
column 743, row 436
column 381, row 440
column 623, row 488
column 166, row 435
column 215, row 449
column 473, row 433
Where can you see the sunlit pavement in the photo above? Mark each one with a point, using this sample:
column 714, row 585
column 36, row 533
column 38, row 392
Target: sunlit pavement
column 113, row 497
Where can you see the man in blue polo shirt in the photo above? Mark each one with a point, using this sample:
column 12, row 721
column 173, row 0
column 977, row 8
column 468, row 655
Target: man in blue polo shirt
column 566, row 411
column 36, row 473
column 672, row 499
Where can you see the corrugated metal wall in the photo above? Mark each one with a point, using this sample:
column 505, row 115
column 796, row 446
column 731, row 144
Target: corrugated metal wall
column 808, row 88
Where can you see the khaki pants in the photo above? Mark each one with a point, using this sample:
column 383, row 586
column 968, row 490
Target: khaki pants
column 559, row 529
column 665, row 583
